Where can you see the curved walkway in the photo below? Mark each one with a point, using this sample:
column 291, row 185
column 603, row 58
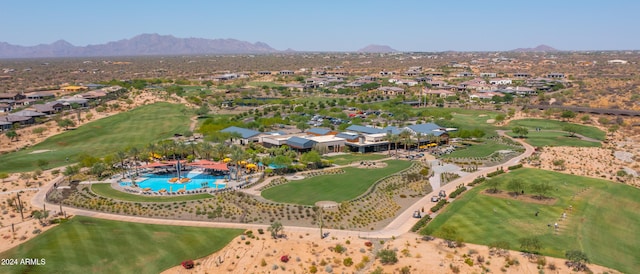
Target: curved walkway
column 400, row 225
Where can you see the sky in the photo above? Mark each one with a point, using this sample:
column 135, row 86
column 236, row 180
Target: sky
column 330, row 25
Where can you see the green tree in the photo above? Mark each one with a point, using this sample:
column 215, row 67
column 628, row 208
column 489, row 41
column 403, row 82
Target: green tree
column 515, row 185
column 493, row 185
column 11, row 134
column 312, row 157
column 203, row 110
column 521, row 132
column 302, row 126
column 66, row 123
column 40, row 215
column 567, row 114
column 571, row 129
column 541, row 189
column 275, row 228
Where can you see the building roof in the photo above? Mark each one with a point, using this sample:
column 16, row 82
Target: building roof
column 347, row 135
column 428, row 128
column 28, row 113
column 244, row 132
column 300, row 143
column 394, row 130
column 319, row 130
column 366, row 130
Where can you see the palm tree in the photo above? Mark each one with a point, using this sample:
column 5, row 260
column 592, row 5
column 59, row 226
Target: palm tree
column 121, row 156
column 204, row 150
column 151, row 148
column 135, row 153
column 221, row 150
column 388, row 138
column 237, row 155
column 419, row 136
column 395, row 139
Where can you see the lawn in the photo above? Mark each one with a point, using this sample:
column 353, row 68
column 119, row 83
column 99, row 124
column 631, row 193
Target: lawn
column 478, row 150
column 603, row 222
column 338, row 187
column 346, row 159
column 137, row 127
column 105, row 190
column 88, row 245
column 544, row 124
column 555, row 138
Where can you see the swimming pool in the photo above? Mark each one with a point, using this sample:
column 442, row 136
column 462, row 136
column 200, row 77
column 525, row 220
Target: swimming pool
column 157, row 182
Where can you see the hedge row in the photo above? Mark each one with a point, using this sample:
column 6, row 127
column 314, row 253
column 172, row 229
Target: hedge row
column 457, row 192
column 477, row 181
column 421, row 223
column 515, row 167
column 439, row 205
column 495, row 173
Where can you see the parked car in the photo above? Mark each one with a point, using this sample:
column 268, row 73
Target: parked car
column 416, row 214
column 442, row 194
column 435, row 199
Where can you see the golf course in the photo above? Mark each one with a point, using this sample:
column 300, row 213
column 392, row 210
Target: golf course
column 137, row 127
column 602, row 218
column 88, row 245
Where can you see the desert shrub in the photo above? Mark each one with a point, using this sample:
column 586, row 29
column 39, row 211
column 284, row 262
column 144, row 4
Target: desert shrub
column 387, row 256
column 347, row 261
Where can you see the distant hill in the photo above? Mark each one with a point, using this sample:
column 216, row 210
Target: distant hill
column 144, row 44
column 540, row 48
column 377, row 49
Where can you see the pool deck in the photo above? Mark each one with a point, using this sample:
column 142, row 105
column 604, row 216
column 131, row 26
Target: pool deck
column 116, row 181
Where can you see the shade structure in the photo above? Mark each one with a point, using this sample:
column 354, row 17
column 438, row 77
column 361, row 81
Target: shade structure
column 251, row 166
column 212, row 165
column 226, row 160
column 157, row 164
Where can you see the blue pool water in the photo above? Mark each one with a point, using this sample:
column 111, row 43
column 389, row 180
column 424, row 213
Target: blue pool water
column 157, row 182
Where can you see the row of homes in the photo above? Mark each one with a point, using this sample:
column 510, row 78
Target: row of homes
column 31, row 111
column 355, row 138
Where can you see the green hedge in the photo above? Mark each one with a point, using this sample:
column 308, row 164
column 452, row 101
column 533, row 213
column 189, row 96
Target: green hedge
column 495, row 173
column 421, row 223
column 477, row 181
column 457, row 192
column 439, row 205
column 515, row 167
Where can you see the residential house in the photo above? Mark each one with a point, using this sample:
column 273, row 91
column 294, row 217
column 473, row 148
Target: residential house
column 74, row 88
column 39, row 95
column 439, row 93
column 246, row 135
column 391, row 90
column 264, row 72
column 4, row 107
column 500, row 82
column 521, row 75
column 555, row 75
column 387, row 73
column 465, row 74
column 12, row 96
column 286, row 72
column 4, row 125
column 488, row 74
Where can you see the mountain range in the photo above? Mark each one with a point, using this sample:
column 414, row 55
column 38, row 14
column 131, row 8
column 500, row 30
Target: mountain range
column 156, row 44
column 540, row 48
column 144, row 44
column 377, row 49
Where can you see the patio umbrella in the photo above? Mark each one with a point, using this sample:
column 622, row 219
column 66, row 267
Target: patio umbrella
column 226, row 160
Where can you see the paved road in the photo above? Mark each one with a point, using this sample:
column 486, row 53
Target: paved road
column 400, row 225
